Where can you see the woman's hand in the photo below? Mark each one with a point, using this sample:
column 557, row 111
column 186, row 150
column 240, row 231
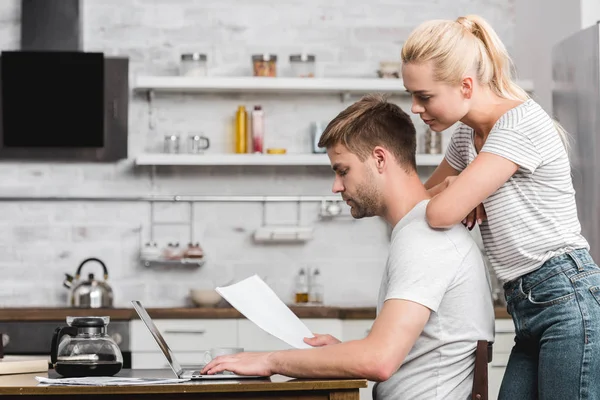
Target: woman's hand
column 477, row 216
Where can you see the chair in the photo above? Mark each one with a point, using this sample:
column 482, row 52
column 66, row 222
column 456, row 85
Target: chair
column 483, row 355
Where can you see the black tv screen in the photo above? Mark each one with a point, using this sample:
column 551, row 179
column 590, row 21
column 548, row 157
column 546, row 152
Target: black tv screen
column 52, row 99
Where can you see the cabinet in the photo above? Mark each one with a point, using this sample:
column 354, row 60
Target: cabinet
column 187, row 338
column 252, row 338
column 503, row 343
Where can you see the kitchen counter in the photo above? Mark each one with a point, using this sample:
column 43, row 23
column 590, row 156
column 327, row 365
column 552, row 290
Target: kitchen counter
column 275, row 387
column 59, row 314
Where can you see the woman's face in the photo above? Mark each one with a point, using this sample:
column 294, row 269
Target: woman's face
column 439, row 104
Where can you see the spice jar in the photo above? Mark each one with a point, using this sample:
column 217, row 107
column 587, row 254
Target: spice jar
column 303, row 65
column 193, row 64
column 264, row 65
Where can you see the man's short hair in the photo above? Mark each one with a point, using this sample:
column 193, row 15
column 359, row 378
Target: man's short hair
column 373, row 121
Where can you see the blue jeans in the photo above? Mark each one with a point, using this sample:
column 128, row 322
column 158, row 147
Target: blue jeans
column 556, row 312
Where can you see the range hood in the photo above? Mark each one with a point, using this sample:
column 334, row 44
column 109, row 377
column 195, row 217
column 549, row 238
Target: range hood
column 80, row 108
column 51, row 25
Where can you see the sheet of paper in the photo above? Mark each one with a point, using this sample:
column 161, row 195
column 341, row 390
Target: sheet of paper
column 107, row 381
column 257, row 301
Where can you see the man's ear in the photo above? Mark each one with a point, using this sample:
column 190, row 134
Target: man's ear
column 381, row 157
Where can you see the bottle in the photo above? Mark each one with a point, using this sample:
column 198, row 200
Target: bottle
column 241, row 130
column 258, row 127
column 302, row 287
column 316, row 288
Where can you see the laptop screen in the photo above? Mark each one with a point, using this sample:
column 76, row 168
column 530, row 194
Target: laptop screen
column 157, row 336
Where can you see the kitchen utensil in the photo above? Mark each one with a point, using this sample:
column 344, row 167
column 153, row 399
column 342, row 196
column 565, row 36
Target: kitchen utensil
column 86, row 350
column 171, row 145
column 205, row 297
column 197, row 144
column 90, row 293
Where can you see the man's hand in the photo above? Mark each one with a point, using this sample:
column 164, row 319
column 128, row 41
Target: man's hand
column 321, row 340
column 241, row 364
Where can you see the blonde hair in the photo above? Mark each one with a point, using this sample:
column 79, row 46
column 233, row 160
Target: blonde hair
column 373, row 121
column 466, row 44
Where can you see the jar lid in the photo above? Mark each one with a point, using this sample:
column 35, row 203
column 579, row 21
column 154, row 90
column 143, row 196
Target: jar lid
column 193, row 57
column 264, row 57
column 302, row 57
column 88, row 322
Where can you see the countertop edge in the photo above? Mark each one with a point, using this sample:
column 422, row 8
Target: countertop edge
column 127, row 314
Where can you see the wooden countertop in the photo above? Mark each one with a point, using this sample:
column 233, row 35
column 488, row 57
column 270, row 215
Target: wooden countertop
column 25, row 384
column 59, row 314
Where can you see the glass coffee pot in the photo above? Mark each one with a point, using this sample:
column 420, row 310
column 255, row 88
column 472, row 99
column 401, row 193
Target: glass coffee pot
column 85, row 349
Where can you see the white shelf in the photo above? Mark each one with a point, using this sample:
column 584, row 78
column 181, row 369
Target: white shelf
column 276, row 85
column 256, row 159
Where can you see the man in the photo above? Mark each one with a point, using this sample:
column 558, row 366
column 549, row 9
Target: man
column 434, row 301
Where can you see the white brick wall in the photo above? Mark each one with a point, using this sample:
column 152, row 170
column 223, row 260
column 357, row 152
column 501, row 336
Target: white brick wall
column 42, row 241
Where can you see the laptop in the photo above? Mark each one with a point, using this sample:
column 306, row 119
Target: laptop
column 193, row 374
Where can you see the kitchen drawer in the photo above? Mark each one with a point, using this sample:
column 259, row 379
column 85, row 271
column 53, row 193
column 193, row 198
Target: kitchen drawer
column 356, row 329
column 186, row 334
column 253, row 338
column 153, row 360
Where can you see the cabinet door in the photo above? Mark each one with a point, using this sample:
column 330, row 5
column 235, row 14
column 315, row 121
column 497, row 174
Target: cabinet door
column 154, row 360
column 253, row 338
column 185, row 334
column 503, row 344
column 356, row 329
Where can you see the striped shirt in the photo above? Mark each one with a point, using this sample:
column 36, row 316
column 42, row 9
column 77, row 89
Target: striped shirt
column 533, row 216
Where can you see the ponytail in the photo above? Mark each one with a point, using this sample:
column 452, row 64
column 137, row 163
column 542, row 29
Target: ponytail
column 496, row 66
column 458, row 47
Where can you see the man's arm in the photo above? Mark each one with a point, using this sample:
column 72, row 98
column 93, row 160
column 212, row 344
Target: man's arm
column 375, row 357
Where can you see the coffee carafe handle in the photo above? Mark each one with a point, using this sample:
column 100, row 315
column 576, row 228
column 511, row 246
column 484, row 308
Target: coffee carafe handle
column 58, row 334
column 92, row 259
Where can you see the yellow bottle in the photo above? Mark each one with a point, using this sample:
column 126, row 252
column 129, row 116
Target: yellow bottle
column 241, row 130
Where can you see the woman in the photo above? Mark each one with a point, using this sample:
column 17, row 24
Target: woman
column 507, row 168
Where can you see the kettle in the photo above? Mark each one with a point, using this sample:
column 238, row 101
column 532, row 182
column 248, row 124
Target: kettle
column 89, row 293
column 86, row 350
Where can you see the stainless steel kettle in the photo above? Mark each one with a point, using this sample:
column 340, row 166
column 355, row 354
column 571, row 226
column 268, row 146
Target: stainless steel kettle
column 89, row 293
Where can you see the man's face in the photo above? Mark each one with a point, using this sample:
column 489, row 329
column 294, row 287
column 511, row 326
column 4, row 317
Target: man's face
column 356, row 181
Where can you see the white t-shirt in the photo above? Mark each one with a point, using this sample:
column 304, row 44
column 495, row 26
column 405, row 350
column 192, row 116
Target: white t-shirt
column 533, row 216
column 443, row 270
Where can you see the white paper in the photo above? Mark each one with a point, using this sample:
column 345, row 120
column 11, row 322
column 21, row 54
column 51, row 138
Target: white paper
column 255, row 299
column 107, row 381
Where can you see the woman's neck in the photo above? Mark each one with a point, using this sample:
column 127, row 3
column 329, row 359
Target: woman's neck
column 486, row 110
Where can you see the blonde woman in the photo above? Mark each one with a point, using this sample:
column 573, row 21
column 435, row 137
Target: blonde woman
column 507, row 169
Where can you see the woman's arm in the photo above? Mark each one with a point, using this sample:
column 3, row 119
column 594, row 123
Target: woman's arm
column 486, row 174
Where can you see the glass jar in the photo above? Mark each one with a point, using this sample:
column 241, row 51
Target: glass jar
column 264, row 65
column 171, row 144
column 303, row 65
column 193, row 64
column 433, row 142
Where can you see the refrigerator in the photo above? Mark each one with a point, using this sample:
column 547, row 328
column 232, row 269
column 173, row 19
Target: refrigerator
column 576, row 104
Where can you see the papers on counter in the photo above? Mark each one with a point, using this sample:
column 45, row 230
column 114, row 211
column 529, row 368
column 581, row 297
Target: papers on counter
column 107, row 381
column 257, row 301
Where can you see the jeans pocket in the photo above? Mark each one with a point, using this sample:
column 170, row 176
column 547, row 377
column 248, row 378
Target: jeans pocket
column 595, row 291
column 555, row 290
